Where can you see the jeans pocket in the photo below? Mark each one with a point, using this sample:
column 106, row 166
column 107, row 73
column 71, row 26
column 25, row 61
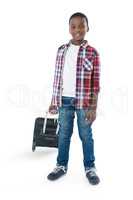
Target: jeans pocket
column 68, row 102
column 65, row 101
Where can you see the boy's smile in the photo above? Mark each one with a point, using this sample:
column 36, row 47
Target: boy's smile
column 78, row 28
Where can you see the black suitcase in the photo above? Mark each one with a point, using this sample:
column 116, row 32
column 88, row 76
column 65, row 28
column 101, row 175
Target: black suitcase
column 45, row 133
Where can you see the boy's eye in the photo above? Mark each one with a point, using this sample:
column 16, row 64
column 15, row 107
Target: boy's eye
column 73, row 27
column 80, row 26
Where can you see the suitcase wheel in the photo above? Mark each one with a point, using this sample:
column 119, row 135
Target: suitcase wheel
column 33, row 146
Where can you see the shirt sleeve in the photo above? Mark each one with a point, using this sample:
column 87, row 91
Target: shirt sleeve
column 55, row 95
column 95, row 79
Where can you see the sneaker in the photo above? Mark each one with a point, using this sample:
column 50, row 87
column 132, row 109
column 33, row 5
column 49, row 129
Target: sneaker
column 92, row 176
column 57, row 173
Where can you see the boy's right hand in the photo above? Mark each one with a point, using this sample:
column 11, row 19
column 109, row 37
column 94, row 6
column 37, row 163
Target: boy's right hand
column 53, row 109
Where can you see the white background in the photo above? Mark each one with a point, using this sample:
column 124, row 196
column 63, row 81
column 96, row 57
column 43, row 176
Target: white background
column 30, row 33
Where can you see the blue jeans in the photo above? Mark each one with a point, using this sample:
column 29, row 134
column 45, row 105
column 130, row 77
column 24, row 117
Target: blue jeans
column 66, row 121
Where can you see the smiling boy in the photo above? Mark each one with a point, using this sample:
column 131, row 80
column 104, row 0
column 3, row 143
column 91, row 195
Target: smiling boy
column 75, row 90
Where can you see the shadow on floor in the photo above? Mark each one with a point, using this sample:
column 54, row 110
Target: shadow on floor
column 38, row 154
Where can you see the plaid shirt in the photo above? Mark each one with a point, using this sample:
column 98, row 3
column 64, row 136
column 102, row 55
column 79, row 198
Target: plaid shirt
column 87, row 75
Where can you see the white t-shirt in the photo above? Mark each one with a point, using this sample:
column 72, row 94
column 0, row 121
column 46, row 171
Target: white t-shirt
column 69, row 72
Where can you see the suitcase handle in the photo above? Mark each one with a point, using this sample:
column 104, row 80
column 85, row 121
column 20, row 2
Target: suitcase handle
column 45, row 123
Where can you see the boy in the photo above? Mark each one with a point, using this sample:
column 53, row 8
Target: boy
column 75, row 89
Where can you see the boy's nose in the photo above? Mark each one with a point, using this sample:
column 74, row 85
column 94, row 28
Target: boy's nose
column 77, row 32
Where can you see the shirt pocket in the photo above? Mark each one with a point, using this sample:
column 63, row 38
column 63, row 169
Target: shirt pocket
column 87, row 64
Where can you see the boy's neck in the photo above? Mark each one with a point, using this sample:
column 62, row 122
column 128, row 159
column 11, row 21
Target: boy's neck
column 77, row 42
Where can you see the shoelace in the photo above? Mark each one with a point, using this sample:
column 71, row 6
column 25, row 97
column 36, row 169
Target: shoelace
column 58, row 168
column 91, row 172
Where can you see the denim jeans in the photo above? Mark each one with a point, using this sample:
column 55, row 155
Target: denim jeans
column 66, row 122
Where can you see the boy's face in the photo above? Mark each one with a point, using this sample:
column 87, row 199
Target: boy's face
column 78, row 28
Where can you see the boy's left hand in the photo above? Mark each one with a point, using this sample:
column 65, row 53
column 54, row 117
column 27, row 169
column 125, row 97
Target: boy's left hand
column 91, row 115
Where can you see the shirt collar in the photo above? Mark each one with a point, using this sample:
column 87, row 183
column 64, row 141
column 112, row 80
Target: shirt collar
column 84, row 44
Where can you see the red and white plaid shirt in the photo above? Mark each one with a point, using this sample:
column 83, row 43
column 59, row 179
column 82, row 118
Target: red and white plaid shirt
column 87, row 75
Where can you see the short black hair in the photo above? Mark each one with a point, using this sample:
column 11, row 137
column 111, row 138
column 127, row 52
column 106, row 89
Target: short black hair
column 79, row 14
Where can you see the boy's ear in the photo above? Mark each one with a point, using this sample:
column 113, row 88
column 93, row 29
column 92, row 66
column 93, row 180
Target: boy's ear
column 69, row 30
column 88, row 29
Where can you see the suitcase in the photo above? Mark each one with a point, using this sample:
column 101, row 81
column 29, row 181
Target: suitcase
column 45, row 132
